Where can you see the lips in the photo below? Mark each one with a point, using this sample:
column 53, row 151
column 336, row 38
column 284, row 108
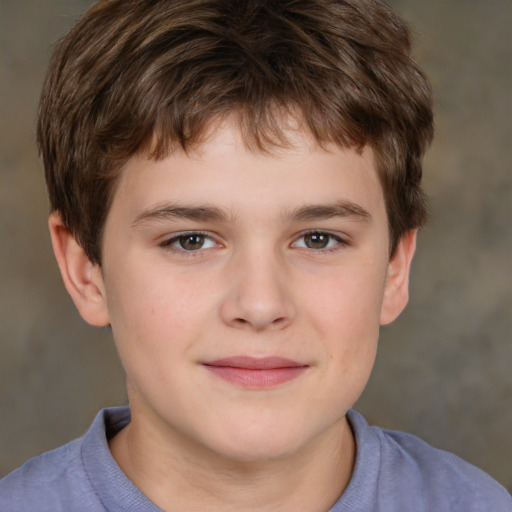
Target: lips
column 256, row 373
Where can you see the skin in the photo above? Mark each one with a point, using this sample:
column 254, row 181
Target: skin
column 256, row 282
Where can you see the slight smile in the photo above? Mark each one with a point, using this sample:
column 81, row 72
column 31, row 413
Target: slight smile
column 256, row 373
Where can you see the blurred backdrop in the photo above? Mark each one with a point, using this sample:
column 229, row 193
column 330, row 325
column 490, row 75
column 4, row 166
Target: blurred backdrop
column 444, row 368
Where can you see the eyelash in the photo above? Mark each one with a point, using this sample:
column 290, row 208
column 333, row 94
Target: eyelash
column 169, row 244
column 340, row 243
column 176, row 239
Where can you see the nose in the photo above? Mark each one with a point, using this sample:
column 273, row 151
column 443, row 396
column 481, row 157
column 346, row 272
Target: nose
column 258, row 295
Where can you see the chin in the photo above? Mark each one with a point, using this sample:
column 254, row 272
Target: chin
column 259, row 442
column 263, row 450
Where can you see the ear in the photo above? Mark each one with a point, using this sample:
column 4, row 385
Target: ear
column 396, row 291
column 82, row 278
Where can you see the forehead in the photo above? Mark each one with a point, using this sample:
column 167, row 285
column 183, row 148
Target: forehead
column 226, row 173
column 289, row 139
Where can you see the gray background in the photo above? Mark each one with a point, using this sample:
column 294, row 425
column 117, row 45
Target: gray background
column 444, row 368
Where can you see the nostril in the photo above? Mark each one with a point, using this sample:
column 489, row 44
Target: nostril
column 276, row 323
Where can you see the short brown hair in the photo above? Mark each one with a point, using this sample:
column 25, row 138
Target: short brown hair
column 151, row 75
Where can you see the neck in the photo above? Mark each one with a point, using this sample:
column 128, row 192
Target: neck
column 176, row 474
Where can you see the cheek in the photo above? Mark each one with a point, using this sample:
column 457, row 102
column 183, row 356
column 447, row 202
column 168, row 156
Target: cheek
column 348, row 305
column 346, row 317
column 156, row 315
column 153, row 329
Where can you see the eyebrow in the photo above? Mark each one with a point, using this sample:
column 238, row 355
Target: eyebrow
column 328, row 211
column 213, row 214
column 171, row 211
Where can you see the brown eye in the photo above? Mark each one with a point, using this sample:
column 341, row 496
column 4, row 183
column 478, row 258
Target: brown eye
column 191, row 242
column 317, row 240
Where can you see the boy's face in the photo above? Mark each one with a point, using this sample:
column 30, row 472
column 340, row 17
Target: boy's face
column 224, row 265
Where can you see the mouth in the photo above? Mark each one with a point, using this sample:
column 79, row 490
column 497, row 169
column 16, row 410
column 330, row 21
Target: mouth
column 256, row 373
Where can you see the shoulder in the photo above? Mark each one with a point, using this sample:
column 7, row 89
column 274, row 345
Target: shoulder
column 448, row 480
column 412, row 475
column 51, row 481
column 66, row 478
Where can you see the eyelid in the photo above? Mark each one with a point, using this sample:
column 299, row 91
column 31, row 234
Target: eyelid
column 341, row 241
column 169, row 240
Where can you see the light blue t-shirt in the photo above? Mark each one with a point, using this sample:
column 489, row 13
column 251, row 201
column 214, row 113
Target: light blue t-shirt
column 394, row 472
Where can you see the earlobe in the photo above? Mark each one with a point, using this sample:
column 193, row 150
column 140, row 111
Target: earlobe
column 82, row 278
column 396, row 292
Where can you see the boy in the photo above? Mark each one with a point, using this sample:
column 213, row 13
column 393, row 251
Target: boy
column 235, row 190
